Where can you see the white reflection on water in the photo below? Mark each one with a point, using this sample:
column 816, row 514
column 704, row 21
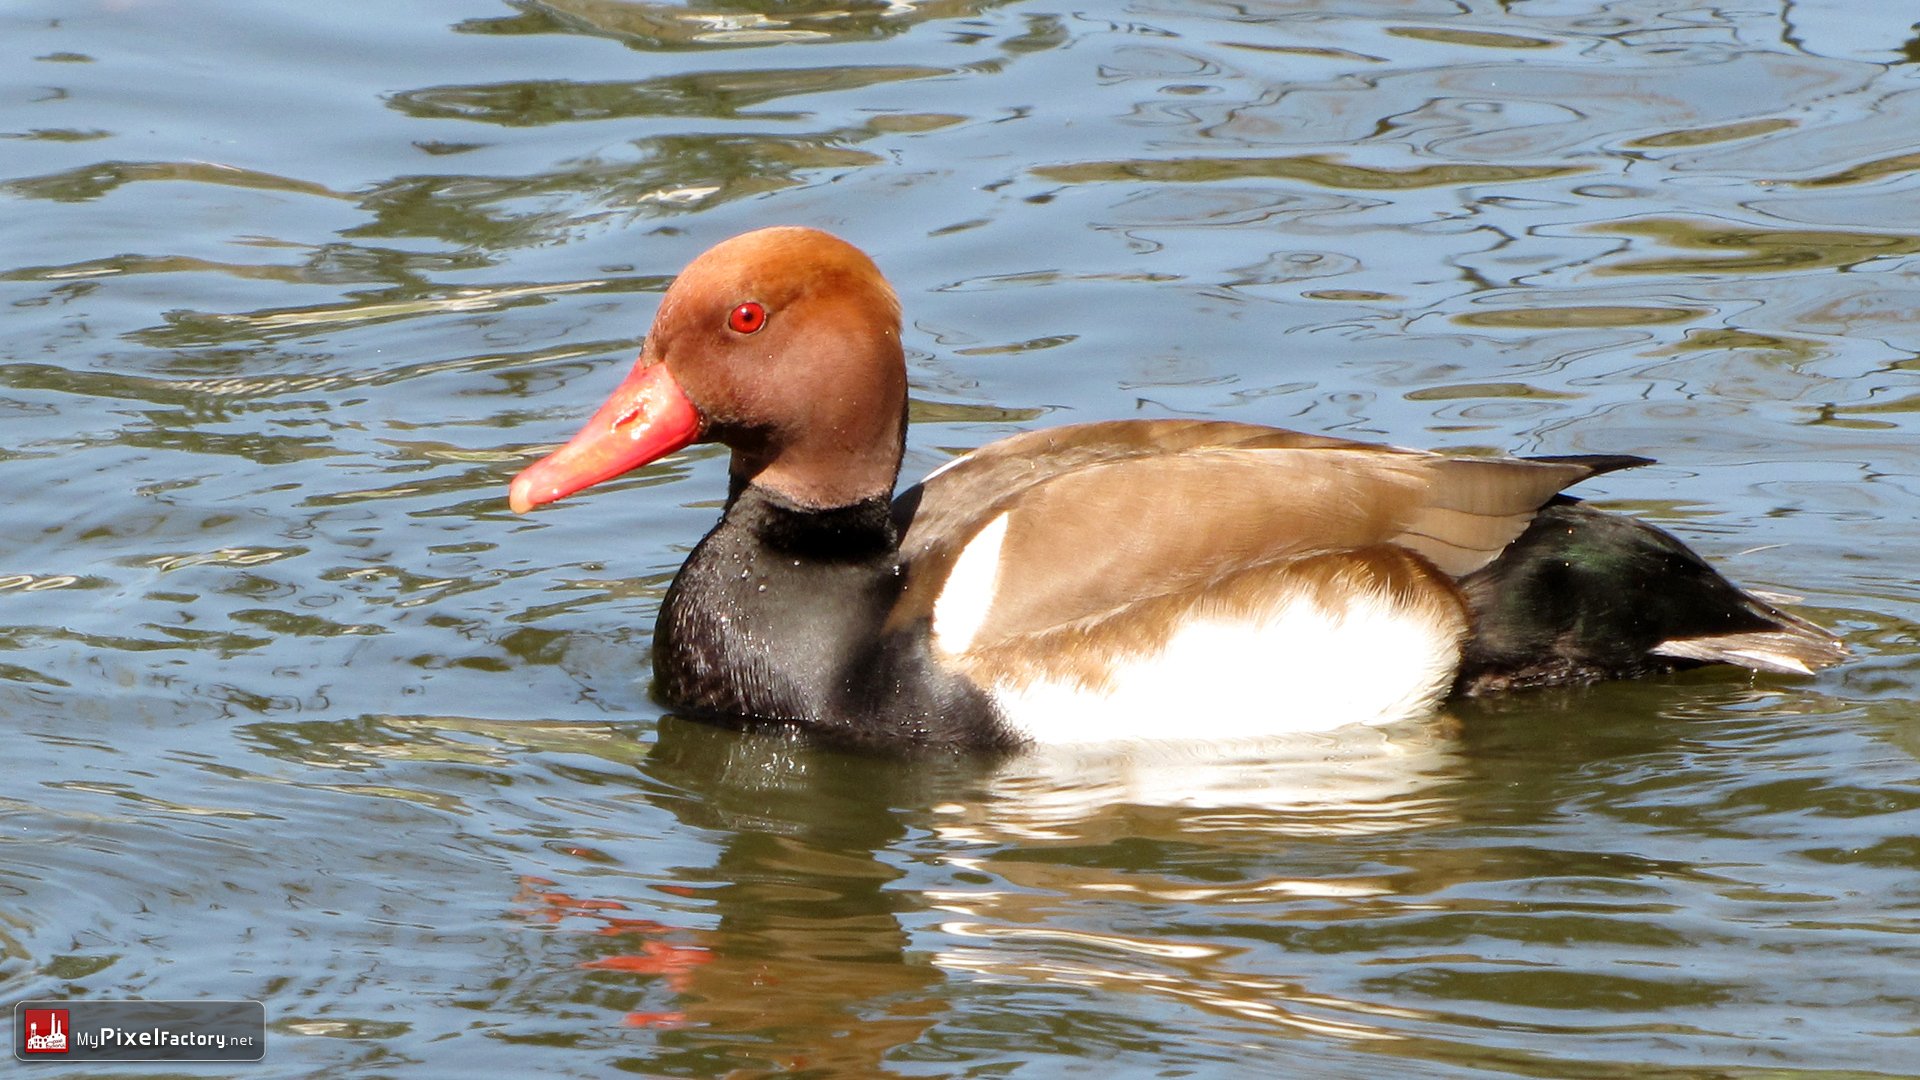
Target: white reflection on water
column 1082, row 923
column 1351, row 781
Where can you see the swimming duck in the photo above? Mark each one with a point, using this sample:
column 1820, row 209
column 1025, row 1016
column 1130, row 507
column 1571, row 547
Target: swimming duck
column 1137, row 579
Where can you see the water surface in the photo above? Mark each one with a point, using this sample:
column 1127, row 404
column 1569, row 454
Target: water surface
column 295, row 709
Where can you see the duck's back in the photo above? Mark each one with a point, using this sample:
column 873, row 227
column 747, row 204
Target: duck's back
column 1095, row 578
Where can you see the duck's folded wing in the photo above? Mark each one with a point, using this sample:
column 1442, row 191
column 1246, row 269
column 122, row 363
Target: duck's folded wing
column 950, row 500
column 996, row 552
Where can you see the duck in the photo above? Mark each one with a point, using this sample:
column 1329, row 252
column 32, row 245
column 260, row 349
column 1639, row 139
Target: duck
column 1103, row 582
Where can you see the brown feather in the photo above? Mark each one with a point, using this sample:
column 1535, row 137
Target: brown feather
column 952, row 500
column 1105, row 516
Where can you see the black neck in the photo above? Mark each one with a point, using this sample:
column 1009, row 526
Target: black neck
column 855, row 533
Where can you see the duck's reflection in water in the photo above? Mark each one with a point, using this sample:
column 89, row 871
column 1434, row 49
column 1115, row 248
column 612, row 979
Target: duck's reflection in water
column 864, row 906
column 1352, row 780
column 1097, row 856
column 810, row 965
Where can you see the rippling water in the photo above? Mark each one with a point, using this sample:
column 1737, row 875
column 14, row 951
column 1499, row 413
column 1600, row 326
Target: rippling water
column 295, row 710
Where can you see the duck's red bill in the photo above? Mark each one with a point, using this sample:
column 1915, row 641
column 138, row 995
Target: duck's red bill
column 646, row 418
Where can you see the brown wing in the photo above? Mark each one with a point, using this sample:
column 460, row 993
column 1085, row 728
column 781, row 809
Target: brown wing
column 1103, row 516
column 952, row 498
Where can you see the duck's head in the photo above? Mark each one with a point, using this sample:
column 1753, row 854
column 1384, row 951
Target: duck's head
column 783, row 344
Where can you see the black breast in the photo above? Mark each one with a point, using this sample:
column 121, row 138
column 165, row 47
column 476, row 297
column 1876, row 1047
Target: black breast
column 777, row 616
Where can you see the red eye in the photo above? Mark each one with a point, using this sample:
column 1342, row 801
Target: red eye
column 747, row 318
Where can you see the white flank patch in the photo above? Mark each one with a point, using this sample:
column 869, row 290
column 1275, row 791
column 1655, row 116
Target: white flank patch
column 968, row 593
column 1297, row 668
